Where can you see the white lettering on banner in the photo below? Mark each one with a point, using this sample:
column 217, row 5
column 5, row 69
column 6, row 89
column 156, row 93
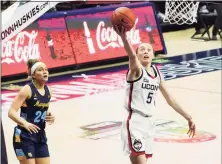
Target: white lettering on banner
column 21, row 50
column 88, row 38
column 20, row 15
column 107, row 37
column 171, row 71
column 192, row 67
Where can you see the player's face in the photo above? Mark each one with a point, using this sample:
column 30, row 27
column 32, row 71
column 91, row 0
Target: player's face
column 145, row 53
column 41, row 73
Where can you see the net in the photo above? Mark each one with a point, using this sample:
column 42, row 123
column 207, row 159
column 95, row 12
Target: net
column 181, row 12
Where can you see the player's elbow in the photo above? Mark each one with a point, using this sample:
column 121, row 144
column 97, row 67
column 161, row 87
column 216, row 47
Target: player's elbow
column 171, row 102
column 11, row 113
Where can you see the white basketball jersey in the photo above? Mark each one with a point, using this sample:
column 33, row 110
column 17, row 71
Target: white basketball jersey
column 141, row 93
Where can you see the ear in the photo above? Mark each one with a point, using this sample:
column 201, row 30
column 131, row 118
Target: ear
column 33, row 76
column 137, row 55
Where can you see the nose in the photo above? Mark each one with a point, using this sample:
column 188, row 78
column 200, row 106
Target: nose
column 45, row 72
column 145, row 52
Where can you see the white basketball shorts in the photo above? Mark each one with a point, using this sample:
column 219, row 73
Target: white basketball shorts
column 137, row 135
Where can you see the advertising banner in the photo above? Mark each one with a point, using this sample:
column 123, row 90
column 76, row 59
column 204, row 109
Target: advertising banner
column 94, row 38
column 78, row 37
column 21, row 14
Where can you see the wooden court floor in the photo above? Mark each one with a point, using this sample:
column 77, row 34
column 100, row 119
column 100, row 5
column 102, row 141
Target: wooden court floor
column 180, row 42
column 200, row 95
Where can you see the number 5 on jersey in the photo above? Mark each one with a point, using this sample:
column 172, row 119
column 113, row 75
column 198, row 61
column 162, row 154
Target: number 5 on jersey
column 149, row 97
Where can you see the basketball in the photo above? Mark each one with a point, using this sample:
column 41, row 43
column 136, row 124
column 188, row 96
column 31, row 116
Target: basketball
column 123, row 16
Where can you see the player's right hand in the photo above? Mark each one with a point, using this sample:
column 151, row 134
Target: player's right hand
column 120, row 30
column 31, row 127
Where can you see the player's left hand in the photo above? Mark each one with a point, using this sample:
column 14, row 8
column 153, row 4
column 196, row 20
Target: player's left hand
column 50, row 119
column 192, row 128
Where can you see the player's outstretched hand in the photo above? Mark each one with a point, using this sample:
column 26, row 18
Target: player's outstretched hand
column 120, row 30
column 49, row 118
column 192, row 128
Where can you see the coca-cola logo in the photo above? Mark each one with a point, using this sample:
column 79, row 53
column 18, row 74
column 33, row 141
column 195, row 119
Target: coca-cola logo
column 22, row 48
column 107, row 37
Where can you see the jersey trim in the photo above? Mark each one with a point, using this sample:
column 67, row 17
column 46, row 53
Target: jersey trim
column 155, row 72
column 130, row 97
column 129, row 117
column 127, row 124
column 28, row 98
column 129, row 81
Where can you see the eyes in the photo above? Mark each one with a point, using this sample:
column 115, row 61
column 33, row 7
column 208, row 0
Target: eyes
column 142, row 49
column 41, row 69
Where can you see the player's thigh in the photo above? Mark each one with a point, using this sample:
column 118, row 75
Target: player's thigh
column 146, row 157
column 45, row 160
column 24, row 147
column 136, row 138
column 149, row 147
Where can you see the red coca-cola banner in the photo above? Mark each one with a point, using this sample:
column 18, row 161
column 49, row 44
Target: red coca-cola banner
column 76, row 39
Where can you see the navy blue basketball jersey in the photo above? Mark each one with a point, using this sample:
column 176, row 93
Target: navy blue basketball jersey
column 34, row 110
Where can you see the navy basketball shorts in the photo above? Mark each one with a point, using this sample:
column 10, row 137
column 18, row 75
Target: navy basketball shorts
column 28, row 146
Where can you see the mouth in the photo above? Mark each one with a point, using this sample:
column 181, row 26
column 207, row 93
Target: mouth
column 146, row 57
column 45, row 76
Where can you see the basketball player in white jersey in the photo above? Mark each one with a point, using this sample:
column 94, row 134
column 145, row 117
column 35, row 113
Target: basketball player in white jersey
column 143, row 82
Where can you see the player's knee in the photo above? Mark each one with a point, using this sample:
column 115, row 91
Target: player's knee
column 137, row 158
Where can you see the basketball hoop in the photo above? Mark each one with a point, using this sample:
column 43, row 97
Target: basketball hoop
column 181, row 12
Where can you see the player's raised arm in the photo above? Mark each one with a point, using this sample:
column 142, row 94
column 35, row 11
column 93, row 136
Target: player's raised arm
column 134, row 64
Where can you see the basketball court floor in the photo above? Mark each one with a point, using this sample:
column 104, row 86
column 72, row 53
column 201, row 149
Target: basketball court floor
column 89, row 112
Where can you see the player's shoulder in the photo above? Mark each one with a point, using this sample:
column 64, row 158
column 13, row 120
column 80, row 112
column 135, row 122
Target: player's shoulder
column 158, row 70
column 25, row 90
column 156, row 67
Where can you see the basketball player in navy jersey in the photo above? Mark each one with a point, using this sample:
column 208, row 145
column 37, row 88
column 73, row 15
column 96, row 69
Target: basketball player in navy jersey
column 29, row 139
column 143, row 82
